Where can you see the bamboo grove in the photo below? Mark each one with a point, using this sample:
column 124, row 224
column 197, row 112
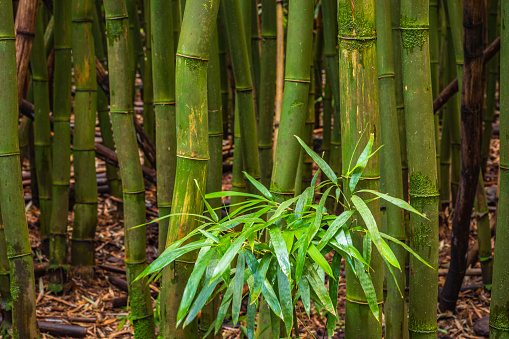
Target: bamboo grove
column 351, row 132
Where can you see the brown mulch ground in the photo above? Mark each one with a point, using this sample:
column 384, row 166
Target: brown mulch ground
column 87, row 300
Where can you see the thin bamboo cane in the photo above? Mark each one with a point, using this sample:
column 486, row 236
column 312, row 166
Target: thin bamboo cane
column 359, row 120
column 267, row 92
column 239, row 53
column 225, row 88
column 195, row 40
column 420, row 138
column 482, row 215
column 11, row 194
column 491, row 84
column 121, row 111
column 396, row 323
column 280, row 68
column 176, row 23
column 329, row 14
column 164, row 99
column 499, row 307
column 85, row 215
column 42, row 130
column 62, row 104
column 148, row 82
column 434, row 63
column 295, row 97
column 254, row 40
column 103, row 112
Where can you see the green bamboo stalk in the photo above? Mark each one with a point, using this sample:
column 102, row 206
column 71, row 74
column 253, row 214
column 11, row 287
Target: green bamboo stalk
column 396, row 322
column 11, row 194
column 326, row 118
column 85, row 215
column 454, row 12
column 195, row 40
column 215, row 168
column 240, row 56
column 434, row 64
column 400, row 104
column 121, row 111
column 225, row 86
column 445, row 157
column 176, row 23
column 491, row 83
column 329, row 15
column 267, row 93
column 499, row 308
column 164, row 100
column 421, row 159
column 359, row 120
column 309, row 126
column 148, row 84
column 295, row 97
column 254, row 40
column 482, row 215
column 42, row 129
column 62, row 104
column 454, row 116
column 103, row 112
column 5, row 283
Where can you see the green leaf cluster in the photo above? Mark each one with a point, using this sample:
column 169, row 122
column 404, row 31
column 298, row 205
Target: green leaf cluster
column 282, row 250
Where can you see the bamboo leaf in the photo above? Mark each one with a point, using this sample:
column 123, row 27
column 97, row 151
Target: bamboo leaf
column 280, row 248
column 204, row 257
column 288, row 236
column 356, row 172
column 319, row 161
column 223, row 194
column 315, row 178
column 369, row 289
column 389, row 256
column 209, row 208
column 271, row 298
column 333, row 293
column 369, row 220
column 225, row 304
column 201, row 300
column 318, row 258
column 260, row 276
column 395, row 201
column 334, row 227
column 259, row 186
column 304, row 199
column 282, row 207
column 285, row 296
column 305, row 294
column 227, row 258
column 237, row 288
column 406, row 247
column 250, row 320
column 319, row 288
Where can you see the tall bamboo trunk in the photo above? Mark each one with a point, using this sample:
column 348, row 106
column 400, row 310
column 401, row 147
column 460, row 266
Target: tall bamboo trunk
column 239, row 54
column 196, row 37
column 103, row 112
column 164, row 100
column 62, row 104
column 434, row 64
column 471, row 121
column 499, row 308
column 484, row 233
column 491, row 85
column 42, row 129
column 85, row 107
column 11, row 194
column 121, row 111
column 148, row 82
column 359, row 120
column 295, row 98
column 454, row 14
column 420, row 136
column 329, row 15
column 267, row 91
column 5, row 281
column 396, row 323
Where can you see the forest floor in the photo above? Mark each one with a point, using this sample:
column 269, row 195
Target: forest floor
column 97, row 302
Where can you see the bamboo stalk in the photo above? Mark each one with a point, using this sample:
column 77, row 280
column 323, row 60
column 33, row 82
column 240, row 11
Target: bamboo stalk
column 295, row 98
column 85, row 215
column 359, row 120
column 196, row 37
column 121, row 111
column 420, row 138
column 164, row 100
column 42, row 130
column 267, row 91
column 62, row 104
column 11, row 194
column 280, row 68
column 396, row 322
column 482, row 215
column 240, row 55
column 434, row 63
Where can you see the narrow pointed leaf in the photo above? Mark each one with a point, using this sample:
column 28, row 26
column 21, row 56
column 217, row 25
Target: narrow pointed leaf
column 259, row 186
column 279, row 245
column 285, row 295
column 237, row 288
column 395, row 201
column 356, row 172
column 319, row 161
column 334, row 228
